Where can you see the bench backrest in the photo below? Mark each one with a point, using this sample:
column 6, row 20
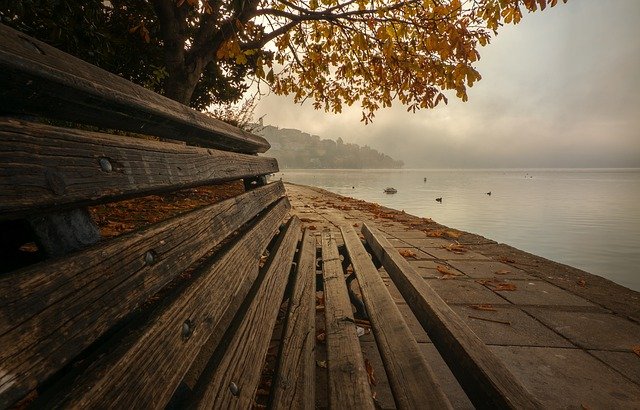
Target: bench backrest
column 133, row 319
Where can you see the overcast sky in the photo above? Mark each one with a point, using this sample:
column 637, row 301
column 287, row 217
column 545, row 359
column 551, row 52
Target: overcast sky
column 560, row 89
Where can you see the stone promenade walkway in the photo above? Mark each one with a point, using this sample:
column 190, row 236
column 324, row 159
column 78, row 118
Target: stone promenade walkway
column 572, row 338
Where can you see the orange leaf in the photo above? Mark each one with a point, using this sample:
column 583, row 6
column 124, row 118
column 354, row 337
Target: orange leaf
column 455, row 248
column 371, row 376
column 636, row 349
column 502, row 272
column 407, row 253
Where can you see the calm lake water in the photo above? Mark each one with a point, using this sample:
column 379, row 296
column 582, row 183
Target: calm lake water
column 587, row 218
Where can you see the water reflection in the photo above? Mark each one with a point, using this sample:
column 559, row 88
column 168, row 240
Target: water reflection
column 585, row 218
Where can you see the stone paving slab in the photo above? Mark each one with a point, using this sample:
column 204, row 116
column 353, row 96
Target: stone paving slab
column 541, row 293
column 569, row 378
column 590, row 330
column 419, row 254
column 428, row 242
column 428, row 272
column 441, row 253
column 508, row 325
column 461, row 291
column 626, row 363
column 407, row 234
column 488, row 269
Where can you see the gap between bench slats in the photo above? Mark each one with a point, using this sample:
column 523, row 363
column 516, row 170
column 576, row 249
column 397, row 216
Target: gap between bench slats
column 39, row 79
column 294, row 384
column 487, row 382
column 412, row 381
column 46, row 167
column 348, row 381
column 235, row 379
column 53, row 310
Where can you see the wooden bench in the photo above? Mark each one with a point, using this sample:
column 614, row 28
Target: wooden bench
column 179, row 312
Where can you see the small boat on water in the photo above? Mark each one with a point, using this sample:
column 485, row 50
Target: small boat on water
column 390, row 190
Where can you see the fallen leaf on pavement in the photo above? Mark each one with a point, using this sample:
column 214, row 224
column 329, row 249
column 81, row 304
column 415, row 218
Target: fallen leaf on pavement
column 371, row 376
column 407, row 253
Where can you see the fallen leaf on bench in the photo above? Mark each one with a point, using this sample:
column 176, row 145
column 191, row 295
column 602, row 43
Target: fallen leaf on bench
column 484, row 307
column 321, row 363
column 503, row 272
column 321, row 336
column 407, row 253
column 636, row 349
column 371, row 376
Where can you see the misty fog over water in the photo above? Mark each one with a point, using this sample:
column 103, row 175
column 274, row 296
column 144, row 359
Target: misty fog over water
column 586, row 218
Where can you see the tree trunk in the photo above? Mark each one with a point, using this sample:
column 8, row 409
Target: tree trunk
column 179, row 85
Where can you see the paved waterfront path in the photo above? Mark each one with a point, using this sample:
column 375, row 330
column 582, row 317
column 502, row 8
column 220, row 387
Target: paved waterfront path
column 569, row 336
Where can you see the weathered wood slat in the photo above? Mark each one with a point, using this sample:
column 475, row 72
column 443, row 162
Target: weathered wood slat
column 294, row 385
column 244, row 357
column 348, row 381
column 39, row 79
column 412, row 381
column 487, row 382
column 152, row 368
column 51, row 311
column 45, row 167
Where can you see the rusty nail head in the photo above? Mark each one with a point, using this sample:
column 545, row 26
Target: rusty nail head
column 235, row 390
column 105, row 165
column 187, row 329
column 150, row 257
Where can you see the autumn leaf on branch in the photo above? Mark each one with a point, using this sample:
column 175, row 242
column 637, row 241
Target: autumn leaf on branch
column 331, row 53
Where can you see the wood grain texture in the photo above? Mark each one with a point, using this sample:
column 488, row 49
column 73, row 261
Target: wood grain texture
column 244, row 357
column 45, row 167
column 148, row 374
column 485, row 379
column 348, row 381
column 412, row 381
column 294, row 385
column 39, row 79
column 51, row 311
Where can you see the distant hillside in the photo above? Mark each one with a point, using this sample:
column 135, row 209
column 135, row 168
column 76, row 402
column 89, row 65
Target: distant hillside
column 296, row 149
